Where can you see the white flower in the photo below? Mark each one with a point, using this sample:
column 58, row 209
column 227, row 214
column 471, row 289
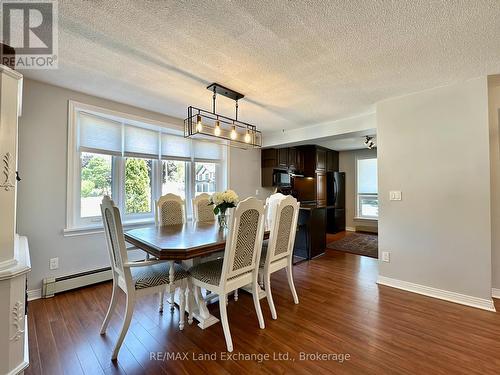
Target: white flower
column 228, row 196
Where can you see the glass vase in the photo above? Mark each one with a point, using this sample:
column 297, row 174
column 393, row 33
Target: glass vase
column 222, row 218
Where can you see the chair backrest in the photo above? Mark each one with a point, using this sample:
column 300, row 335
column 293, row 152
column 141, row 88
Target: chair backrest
column 283, row 230
column 115, row 240
column 202, row 212
column 244, row 239
column 271, row 204
column 170, row 210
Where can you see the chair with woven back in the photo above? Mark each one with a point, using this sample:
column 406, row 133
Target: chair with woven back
column 136, row 279
column 240, row 264
column 202, row 212
column 279, row 252
column 170, row 209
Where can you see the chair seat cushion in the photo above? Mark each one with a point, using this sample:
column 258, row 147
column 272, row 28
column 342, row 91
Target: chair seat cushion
column 208, row 272
column 156, row 274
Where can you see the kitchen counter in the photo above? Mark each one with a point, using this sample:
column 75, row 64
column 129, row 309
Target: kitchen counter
column 310, row 240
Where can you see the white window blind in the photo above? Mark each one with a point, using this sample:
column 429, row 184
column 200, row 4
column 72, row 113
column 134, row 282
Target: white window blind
column 175, row 147
column 207, row 151
column 141, row 142
column 104, row 135
column 99, row 134
column 367, row 176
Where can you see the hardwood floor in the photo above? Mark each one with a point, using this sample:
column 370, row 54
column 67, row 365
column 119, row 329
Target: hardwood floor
column 341, row 310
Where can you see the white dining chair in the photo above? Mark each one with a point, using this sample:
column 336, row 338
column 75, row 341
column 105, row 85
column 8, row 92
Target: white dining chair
column 279, row 252
column 170, row 209
column 136, row 279
column 202, row 212
column 240, row 264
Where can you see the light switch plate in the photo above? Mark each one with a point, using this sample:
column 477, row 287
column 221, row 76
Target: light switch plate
column 386, row 256
column 395, row 195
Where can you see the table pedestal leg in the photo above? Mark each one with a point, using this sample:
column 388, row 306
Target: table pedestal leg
column 198, row 303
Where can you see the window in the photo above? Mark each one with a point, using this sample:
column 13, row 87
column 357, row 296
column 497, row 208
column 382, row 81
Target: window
column 174, row 177
column 96, row 179
column 134, row 161
column 205, row 178
column 367, row 191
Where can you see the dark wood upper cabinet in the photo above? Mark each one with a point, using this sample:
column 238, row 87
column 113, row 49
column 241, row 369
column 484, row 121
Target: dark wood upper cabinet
column 321, row 159
column 292, row 159
column 332, row 161
column 269, row 158
column 283, row 158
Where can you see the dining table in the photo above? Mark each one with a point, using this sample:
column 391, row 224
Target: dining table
column 189, row 243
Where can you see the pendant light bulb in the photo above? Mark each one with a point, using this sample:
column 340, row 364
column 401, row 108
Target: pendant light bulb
column 199, row 126
column 234, row 134
column 217, row 128
column 247, row 137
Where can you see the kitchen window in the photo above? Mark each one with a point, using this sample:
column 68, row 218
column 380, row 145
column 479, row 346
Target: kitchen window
column 367, row 188
column 134, row 161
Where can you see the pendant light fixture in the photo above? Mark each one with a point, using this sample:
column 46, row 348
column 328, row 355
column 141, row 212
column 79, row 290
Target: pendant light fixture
column 201, row 124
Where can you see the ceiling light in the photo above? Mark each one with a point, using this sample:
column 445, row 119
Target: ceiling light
column 248, row 138
column 203, row 124
column 217, row 128
column 369, row 142
column 199, row 126
column 234, row 134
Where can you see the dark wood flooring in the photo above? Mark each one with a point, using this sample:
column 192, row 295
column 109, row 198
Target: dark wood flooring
column 342, row 310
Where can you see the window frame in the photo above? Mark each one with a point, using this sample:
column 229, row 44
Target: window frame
column 359, row 196
column 75, row 224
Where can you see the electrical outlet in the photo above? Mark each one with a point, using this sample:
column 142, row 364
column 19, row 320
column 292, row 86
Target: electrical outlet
column 386, row 256
column 256, row 192
column 54, row 263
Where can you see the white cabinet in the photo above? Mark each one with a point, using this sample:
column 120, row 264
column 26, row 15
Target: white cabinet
column 14, row 253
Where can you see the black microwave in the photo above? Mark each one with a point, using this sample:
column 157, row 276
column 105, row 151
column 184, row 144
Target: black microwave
column 281, row 178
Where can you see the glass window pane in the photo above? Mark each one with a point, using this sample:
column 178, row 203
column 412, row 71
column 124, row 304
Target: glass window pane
column 138, row 183
column 174, row 177
column 96, row 176
column 368, row 205
column 205, row 178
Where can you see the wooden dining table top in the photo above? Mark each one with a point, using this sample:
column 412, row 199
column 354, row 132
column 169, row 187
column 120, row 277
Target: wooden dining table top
column 180, row 242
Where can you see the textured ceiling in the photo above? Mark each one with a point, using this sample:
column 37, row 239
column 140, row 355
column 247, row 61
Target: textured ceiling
column 299, row 63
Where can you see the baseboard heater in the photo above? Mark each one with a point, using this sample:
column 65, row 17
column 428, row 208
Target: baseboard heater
column 53, row 285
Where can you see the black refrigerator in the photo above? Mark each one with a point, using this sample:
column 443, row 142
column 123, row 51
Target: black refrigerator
column 335, row 216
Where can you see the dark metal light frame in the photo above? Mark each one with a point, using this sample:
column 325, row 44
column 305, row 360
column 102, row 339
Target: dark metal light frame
column 247, row 135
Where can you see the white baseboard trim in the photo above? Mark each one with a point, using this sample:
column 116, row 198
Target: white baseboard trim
column 463, row 299
column 495, row 293
column 350, row 229
column 34, row 294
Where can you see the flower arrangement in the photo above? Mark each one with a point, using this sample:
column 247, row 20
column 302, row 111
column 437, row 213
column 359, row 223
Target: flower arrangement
column 221, row 202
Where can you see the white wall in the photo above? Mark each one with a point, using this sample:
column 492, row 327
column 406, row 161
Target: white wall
column 347, row 164
column 434, row 147
column 42, row 191
column 494, row 119
column 365, row 123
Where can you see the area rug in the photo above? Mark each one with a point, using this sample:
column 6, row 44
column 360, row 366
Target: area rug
column 357, row 243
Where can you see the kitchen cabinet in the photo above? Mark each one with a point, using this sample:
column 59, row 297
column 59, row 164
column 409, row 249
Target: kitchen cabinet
column 332, row 161
column 292, row 159
column 321, row 196
column 283, row 158
column 321, row 159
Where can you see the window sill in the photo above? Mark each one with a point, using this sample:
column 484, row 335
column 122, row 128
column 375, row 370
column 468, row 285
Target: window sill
column 96, row 229
column 366, row 218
